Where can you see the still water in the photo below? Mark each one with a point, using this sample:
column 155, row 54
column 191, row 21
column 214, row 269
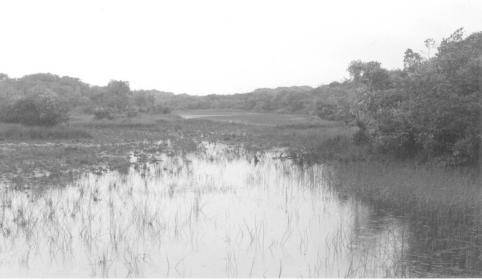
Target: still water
column 218, row 212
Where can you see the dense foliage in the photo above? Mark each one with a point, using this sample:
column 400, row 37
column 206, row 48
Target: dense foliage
column 296, row 99
column 46, row 99
column 432, row 108
column 44, row 108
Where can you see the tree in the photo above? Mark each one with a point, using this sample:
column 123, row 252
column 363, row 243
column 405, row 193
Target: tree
column 145, row 102
column 411, row 60
column 356, row 69
column 460, row 61
column 369, row 73
column 434, row 114
column 116, row 96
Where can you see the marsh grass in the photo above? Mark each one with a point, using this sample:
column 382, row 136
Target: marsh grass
column 21, row 132
column 218, row 212
column 429, row 215
column 443, row 208
column 88, row 144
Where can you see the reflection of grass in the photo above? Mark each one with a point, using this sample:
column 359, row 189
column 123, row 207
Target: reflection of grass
column 442, row 207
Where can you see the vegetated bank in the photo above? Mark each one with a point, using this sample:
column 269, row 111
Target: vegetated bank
column 429, row 111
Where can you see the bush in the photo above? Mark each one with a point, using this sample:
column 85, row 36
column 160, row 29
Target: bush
column 132, row 112
column 103, row 113
column 466, row 151
column 326, row 111
column 360, row 137
column 44, row 109
column 6, row 110
column 162, row 109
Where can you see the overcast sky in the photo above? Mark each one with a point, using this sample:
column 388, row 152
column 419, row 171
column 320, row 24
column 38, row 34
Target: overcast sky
column 202, row 47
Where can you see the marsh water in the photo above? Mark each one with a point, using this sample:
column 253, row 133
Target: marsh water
column 217, row 212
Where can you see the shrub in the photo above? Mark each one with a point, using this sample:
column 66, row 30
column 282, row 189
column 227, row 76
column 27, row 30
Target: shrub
column 132, row 112
column 6, row 111
column 103, row 113
column 466, row 151
column 162, row 109
column 326, row 111
column 44, row 109
column 360, row 137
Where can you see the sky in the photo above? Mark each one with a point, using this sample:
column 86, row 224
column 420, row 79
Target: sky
column 219, row 46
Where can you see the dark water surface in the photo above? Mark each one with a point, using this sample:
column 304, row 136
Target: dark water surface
column 216, row 212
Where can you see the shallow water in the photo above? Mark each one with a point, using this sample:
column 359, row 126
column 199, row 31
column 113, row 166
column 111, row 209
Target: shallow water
column 217, row 212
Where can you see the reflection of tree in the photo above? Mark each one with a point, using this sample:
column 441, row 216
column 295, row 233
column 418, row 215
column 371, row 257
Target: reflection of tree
column 378, row 241
column 437, row 242
column 445, row 242
column 435, row 229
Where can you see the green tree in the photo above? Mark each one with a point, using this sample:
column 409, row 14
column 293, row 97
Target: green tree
column 369, row 73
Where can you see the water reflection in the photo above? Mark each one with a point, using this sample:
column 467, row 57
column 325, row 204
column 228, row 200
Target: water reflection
column 217, row 212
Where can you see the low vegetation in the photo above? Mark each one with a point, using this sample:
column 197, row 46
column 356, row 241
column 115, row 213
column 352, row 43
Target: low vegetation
column 16, row 132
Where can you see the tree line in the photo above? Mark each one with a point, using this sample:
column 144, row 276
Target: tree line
column 47, row 99
column 428, row 109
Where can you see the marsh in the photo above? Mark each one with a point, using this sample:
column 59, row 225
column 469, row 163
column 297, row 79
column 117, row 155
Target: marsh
column 216, row 212
column 239, row 139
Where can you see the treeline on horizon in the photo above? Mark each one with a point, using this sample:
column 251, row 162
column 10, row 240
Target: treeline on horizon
column 430, row 109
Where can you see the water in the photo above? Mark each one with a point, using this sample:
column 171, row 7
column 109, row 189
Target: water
column 214, row 213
